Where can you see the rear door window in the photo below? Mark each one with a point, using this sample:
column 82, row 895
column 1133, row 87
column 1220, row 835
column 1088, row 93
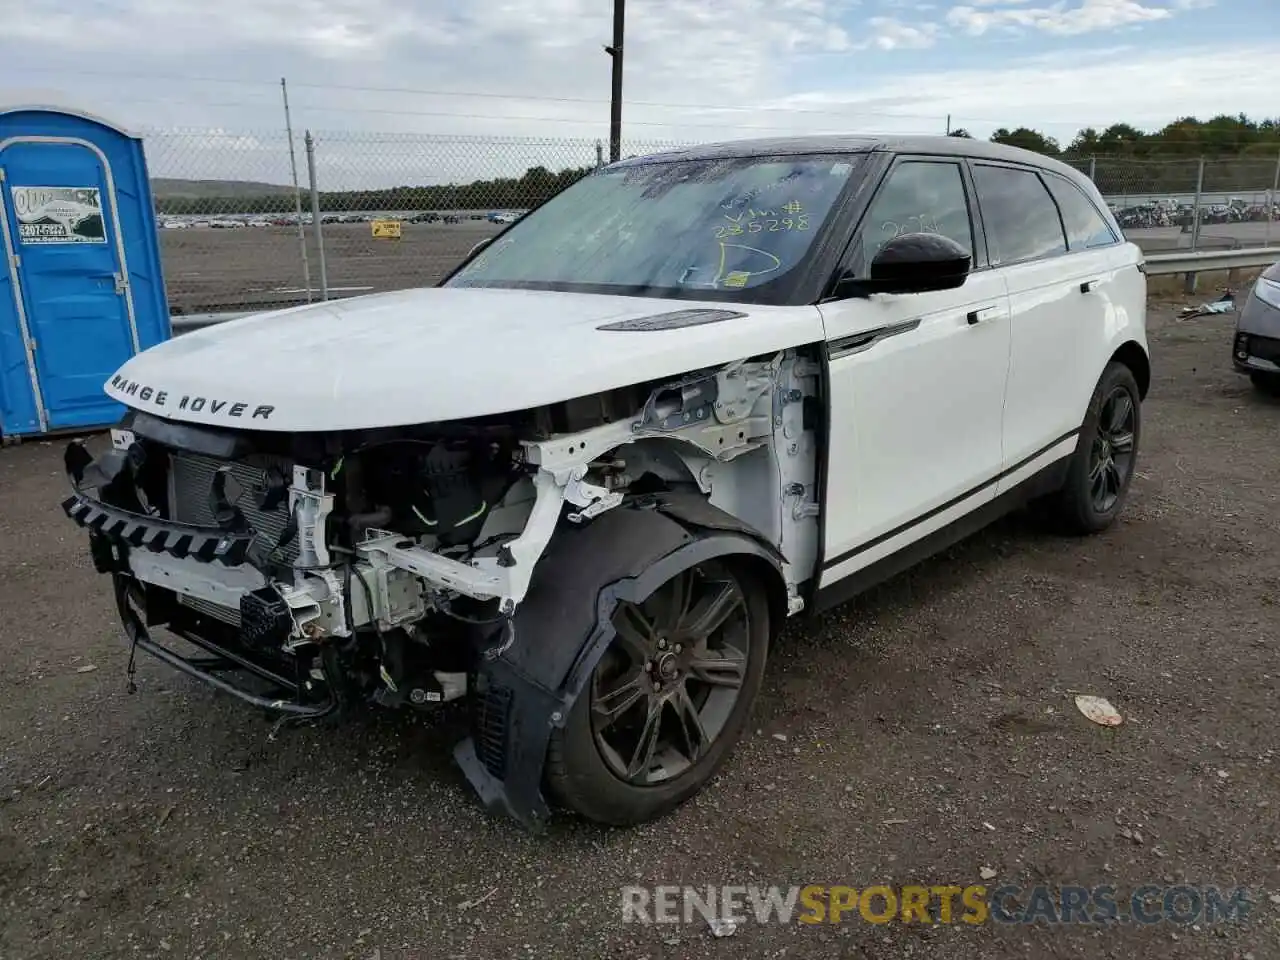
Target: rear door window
column 1019, row 215
column 1085, row 226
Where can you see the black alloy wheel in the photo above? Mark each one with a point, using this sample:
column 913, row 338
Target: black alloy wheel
column 668, row 685
column 1096, row 483
column 669, row 698
column 1111, row 462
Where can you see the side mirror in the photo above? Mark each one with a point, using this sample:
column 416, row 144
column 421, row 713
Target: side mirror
column 479, row 246
column 914, row 263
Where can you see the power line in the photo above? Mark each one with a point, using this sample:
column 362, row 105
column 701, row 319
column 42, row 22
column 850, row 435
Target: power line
column 847, row 112
column 1241, row 142
column 537, row 98
column 464, row 116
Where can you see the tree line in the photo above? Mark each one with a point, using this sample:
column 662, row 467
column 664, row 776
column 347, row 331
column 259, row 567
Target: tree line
column 1220, row 137
column 1240, row 154
column 499, row 193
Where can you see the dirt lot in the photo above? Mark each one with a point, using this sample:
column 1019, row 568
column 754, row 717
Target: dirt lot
column 930, row 737
column 209, row 271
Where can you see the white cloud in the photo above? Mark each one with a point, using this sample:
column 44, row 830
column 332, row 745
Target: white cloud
column 1063, row 92
column 1057, row 18
column 891, row 34
column 361, row 69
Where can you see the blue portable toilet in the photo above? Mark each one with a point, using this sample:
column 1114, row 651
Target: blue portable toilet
column 81, row 288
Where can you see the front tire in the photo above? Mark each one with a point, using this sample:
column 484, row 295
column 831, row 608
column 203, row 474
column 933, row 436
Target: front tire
column 668, row 700
column 1267, row 384
column 1106, row 457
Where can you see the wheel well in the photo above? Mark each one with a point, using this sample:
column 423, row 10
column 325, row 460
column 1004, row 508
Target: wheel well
column 1139, row 364
column 763, row 573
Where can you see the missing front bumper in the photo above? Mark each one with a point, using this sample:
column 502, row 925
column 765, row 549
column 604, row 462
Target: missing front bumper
column 141, row 606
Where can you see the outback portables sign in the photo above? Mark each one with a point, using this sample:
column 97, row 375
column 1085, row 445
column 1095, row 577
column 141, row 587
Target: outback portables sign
column 59, row 214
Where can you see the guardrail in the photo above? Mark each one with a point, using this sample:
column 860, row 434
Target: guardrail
column 1156, row 264
column 1165, row 264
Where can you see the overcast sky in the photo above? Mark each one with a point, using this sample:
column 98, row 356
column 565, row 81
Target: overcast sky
column 373, row 76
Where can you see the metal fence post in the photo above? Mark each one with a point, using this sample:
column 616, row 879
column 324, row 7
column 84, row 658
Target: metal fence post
column 1273, row 199
column 1197, row 215
column 1093, row 169
column 315, row 214
column 599, row 154
column 297, row 192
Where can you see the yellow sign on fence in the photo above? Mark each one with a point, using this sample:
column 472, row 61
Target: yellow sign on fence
column 386, row 229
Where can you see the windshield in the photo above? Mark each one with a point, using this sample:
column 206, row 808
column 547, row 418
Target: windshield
column 728, row 226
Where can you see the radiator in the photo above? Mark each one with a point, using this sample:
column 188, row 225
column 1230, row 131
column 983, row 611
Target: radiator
column 190, row 481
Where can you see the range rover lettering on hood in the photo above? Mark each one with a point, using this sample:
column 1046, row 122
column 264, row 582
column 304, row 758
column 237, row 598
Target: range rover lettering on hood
column 240, row 409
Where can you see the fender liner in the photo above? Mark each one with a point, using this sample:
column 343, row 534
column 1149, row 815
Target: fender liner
column 558, row 634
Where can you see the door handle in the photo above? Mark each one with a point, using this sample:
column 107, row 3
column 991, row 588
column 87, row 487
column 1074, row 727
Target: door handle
column 1088, row 286
column 982, row 313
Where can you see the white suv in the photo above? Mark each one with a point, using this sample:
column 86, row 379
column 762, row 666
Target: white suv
column 584, row 480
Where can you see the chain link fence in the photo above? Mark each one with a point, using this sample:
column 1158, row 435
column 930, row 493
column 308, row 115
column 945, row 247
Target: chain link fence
column 231, row 237
column 243, row 229
column 1191, row 203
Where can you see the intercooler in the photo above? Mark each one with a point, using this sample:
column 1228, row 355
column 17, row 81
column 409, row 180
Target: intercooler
column 190, row 492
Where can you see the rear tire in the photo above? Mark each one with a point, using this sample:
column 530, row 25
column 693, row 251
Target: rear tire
column 1105, row 459
column 668, row 700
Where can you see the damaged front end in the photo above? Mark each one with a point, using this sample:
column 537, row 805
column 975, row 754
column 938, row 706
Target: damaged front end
column 413, row 567
column 279, row 559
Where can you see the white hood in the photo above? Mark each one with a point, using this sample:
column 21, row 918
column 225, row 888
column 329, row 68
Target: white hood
column 417, row 356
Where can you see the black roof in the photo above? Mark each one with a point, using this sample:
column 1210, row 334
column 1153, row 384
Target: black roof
column 853, row 143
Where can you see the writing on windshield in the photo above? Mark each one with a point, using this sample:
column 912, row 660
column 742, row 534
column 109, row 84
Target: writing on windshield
column 720, row 224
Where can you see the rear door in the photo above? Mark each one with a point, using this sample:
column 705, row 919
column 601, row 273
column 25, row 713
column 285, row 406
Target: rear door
column 67, row 262
column 1060, row 297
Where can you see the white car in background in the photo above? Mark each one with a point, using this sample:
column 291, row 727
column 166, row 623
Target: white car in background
column 586, row 479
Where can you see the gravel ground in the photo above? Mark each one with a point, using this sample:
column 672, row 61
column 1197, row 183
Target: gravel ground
column 924, row 734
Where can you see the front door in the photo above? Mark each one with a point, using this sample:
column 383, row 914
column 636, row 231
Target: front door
column 917, row 384
column 67, row 266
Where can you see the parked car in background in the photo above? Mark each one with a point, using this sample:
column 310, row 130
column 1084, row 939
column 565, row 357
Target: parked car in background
column 812, row 363
column 1256, row 347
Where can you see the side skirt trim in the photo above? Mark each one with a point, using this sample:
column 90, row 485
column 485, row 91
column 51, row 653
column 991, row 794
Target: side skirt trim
column 1045, row 481
column 954, row 501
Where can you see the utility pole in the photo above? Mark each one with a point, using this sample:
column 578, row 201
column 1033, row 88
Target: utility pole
column 615, row 103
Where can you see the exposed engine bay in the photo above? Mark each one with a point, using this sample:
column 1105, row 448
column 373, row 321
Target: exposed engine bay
column 386, row 566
